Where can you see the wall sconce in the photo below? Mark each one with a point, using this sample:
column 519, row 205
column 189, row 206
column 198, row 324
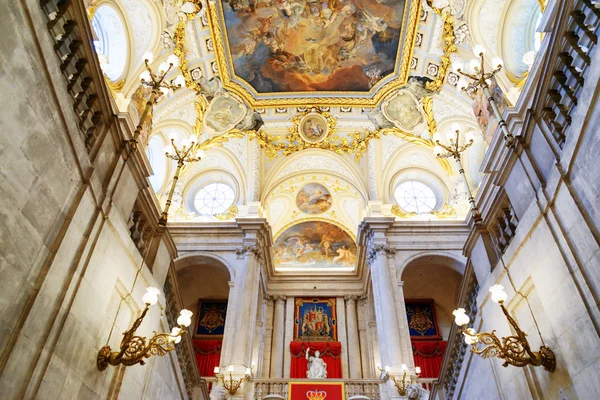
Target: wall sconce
column 451, row 146
column 478, row 77
column 232, row 385
column 514, row 350
column 155, row 80
column 403, row 382
column 134, row 349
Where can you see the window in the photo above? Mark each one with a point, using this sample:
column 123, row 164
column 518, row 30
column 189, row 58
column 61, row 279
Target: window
column 156, row 156
column 414, row 196
column 111, row 41
column 214, row 198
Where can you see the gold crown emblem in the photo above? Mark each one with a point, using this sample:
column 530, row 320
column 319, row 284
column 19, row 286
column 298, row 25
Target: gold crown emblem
column 316, row 395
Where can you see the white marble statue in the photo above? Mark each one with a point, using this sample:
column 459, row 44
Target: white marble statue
column 317, row 368
column 414, row 391
column 217, row 393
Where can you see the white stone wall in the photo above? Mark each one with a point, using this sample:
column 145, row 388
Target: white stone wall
column 67, row 264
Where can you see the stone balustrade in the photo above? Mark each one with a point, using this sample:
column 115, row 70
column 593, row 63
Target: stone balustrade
column 370, row 388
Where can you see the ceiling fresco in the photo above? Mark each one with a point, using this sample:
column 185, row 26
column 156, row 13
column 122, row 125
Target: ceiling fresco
column 285, row 52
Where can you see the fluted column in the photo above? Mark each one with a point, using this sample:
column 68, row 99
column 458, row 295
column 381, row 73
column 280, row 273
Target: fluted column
column 278, row 332
column 388, row 331
column 354, row 363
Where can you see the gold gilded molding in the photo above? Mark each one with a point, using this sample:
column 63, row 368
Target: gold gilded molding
column 445, row 212
column 298, row 99
column 399, row 212
column 353, row 143
column 449, row 47
column 230, row 213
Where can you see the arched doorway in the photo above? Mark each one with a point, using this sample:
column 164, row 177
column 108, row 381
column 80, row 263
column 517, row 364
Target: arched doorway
column 431, row 286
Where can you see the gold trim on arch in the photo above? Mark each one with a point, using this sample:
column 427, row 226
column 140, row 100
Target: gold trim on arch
column 314, row 219
column 342, row 98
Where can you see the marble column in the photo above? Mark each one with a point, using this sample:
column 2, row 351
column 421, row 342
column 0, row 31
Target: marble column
column 265, row 371
column 289, row 336
column 363, row 338
column 354, row 363
column 278, row 334
column 379, row 257
column 242, row 310
column 342, row 336
column 229, row 326
column 407, row 354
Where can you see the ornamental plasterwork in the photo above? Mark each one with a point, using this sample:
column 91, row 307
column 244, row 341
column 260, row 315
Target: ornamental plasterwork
column 140, row 24
column 372, row 172
column 309, row 162
column 389, row 144
column 375, row 250
column 165, row 111
column 489, row 19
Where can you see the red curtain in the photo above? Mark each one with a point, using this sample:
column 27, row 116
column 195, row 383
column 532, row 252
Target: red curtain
column 429, row 356
column 330, row 352
column 208, row 355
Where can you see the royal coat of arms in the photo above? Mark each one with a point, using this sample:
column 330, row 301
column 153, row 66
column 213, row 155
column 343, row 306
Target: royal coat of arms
column 422, row 322
column 211, row 318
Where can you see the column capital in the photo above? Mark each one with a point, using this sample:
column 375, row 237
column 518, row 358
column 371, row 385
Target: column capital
column 231, row 284
column 375, row 250
column 245, row 250
column 363, row 299
column 350, row 298
column 279, row 298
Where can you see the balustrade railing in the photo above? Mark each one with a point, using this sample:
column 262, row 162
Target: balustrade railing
column 185, row 351
column 66, row 21
column 575, row 44
column 445, row 386
column 370, row 388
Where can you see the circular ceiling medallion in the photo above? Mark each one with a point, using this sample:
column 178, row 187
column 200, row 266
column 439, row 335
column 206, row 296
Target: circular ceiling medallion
column 314, row 198
column 313, row 128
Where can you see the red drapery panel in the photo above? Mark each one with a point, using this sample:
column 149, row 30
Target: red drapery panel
column 208, row 355
column 330, row 352
column 429, row 356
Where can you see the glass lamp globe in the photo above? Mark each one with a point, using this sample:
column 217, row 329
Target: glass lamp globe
column 478, row 50
column 470, row 136
column 387, row 368
column 460, row 317
column 498, row 294
column 149, row 57
column 438, row 137
column 455, row 128
column 200, row 154
column 248, row 371
column 438, row 150
column 463, row 83
column 230, row 368
column 173, row 60
column 474, row 66
column 151, row 296
column 163, row 67
column 216, row 370
column 169, row 150
column 418, row 370
column 470, row 337
column 176, row 334
column 179, row 81
column 497, row 62
column 145, row 76
column 185, row 318
column 457, row 67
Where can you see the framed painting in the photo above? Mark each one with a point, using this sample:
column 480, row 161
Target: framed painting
column 315, row 319
column 211, row 319
column 422, row 321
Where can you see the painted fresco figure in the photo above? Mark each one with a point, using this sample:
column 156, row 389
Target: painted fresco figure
column 317, row 368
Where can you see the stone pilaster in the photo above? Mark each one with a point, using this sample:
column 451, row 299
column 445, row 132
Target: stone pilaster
column 354, row 363
column 289, row 336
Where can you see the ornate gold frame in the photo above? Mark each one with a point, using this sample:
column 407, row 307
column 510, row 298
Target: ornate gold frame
column 313, row 219
column 376, row 94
